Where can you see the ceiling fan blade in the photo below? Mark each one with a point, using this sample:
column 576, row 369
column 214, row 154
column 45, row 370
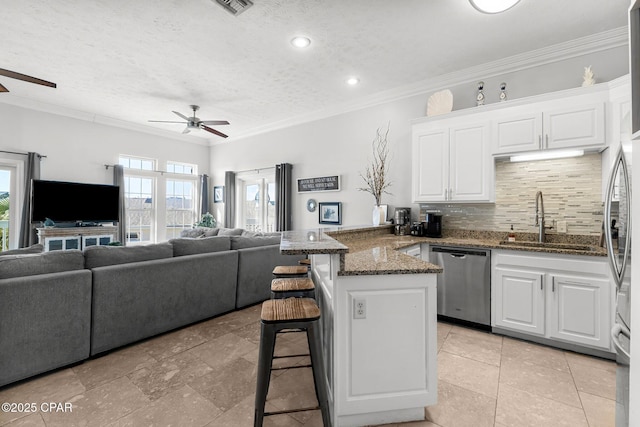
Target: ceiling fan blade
column 213, row 131
column 163, row 121
column 25, row 78
column 3, row 89
column 182, row 116
column 214, row 122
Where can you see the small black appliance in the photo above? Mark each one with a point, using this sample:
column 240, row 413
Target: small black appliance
column 432, row 225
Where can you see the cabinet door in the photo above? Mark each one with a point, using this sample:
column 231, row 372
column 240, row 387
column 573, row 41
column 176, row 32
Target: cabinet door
column 519, row 300
column 577, row 126
column 517, row 132
column 431, row 166
column 471, row 165
column 580, row 310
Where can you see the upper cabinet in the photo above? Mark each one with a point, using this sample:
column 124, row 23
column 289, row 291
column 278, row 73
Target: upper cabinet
column 452, row 162
column 550, row 125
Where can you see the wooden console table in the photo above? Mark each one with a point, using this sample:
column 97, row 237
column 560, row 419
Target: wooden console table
column 55, row 239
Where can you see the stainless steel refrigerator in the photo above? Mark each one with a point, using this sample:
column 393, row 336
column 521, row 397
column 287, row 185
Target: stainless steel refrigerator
column 618, row 241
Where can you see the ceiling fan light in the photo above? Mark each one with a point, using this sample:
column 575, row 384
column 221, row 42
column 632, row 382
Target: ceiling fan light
column 493, row 6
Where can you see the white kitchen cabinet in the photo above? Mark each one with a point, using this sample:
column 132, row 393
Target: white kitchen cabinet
column 452, row 163
column 519, row 300
column 545, row 126
column 557, row 297
column 579, row 309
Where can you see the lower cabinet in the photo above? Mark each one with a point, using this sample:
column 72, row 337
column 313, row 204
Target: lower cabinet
column 558, row 297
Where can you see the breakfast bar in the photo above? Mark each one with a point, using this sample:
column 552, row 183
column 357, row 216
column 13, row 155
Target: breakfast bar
column 378, row 317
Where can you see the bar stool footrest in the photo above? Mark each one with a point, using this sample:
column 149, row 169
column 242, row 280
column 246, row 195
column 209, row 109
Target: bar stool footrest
column 291, row 367
column 291, row 355
column 289, row 411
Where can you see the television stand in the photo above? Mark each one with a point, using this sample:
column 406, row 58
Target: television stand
column 55, row 239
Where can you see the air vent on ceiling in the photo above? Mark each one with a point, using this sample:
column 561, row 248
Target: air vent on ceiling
column 235, row 7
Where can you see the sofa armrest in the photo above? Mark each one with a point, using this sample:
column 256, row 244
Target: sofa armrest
column 44, row 323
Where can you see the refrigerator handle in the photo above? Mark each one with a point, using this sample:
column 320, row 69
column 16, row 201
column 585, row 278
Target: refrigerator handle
column 616, row 331
column 617, row 276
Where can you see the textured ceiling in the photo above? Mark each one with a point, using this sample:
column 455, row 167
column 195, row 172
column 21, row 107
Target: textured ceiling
column 138, row 60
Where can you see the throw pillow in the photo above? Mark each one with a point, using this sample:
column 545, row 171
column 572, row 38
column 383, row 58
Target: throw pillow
column 192, row 232
column 230, row 232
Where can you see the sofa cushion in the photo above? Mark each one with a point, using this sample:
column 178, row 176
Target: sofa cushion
column 33, row 249
column 43, row 263
column 185, row 246
column 230, row 231
column 99, row 256
column 242, row 242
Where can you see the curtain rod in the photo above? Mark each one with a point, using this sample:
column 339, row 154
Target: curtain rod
column 256, row 169
column 21, row 154
column 158, row 171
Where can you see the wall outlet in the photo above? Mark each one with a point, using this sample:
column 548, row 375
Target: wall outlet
column 562, row 226
column 359, row 308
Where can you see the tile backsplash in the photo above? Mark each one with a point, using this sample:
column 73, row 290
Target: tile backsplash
column 571, row 189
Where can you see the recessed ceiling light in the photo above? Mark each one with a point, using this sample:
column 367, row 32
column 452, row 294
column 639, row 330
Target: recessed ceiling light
column 493, row 6
column 353, row 81
column 301, row 42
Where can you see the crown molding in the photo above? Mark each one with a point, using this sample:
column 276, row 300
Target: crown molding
column 606, row 40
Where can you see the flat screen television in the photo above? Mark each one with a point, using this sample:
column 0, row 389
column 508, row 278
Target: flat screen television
column 65, row 202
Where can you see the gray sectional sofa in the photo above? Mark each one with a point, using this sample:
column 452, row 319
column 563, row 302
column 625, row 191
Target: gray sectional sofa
column 59, row 308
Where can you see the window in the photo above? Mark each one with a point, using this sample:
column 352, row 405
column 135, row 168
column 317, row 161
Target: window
column 10, row 203
column 151, row 218
column 5, row 207
column 257, row 200
column 180, row 206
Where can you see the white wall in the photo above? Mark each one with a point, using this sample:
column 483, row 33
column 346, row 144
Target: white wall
column 342, row 144
column 77, row 150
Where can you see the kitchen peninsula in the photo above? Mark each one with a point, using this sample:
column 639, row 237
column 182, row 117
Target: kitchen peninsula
column 379, row 319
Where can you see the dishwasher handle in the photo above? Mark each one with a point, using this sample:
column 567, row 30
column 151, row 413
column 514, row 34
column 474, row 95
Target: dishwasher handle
column 458, row 252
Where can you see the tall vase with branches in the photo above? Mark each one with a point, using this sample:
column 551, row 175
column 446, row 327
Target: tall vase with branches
column 376, row 174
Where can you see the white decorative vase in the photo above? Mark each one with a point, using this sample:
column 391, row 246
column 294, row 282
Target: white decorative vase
column 378, row 212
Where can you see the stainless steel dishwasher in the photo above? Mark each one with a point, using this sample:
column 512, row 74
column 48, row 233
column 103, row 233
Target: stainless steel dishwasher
column 464, row 287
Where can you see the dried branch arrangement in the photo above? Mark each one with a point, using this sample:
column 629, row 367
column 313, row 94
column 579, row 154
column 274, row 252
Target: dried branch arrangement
column 376, row 174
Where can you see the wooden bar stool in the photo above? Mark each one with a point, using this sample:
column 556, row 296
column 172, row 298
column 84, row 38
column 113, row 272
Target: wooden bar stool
column 305, row 261
column 292, row 287
column 290, row 313
column 281, row 271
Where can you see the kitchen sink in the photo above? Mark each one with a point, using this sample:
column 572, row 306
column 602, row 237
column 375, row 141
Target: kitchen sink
column 569, row 246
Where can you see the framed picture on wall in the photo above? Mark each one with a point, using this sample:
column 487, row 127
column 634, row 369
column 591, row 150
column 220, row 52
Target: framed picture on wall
column 218, row 194
column 330, row 213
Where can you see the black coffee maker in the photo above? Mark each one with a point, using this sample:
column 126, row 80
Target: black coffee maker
column 432, row 225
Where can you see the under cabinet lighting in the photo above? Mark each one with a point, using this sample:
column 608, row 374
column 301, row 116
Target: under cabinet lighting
column 493, row 6
column 546, row 155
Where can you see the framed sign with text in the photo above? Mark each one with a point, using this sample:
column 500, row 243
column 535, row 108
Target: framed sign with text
column 323, row 183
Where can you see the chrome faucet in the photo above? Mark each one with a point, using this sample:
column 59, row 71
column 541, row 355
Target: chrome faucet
column 540, row 217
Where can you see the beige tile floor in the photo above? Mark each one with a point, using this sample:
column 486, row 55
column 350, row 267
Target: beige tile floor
column 204, row 375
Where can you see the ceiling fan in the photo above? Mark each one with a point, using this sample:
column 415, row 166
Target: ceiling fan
column 23, row 77
column 195, row 123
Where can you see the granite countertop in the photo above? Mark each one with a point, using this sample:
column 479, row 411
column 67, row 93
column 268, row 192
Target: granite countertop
column 363, row 252
column 375, row 250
